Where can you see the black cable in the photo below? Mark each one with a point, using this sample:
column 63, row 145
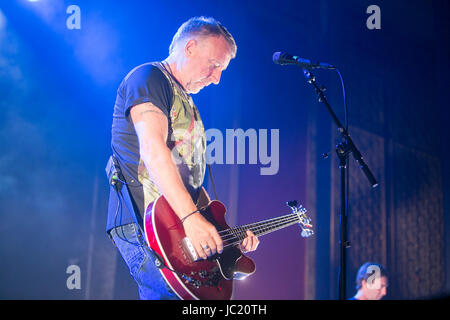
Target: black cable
column 347, row 163
column 345, row 99
column 124, row 238
column 346, row 129
column 212, row 180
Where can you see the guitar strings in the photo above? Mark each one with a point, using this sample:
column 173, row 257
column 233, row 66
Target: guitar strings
column 239, row 232
column 260, row 225
column 280, row 226
column 259, row 228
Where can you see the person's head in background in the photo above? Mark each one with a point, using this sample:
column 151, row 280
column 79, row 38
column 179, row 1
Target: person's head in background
column 371, row 282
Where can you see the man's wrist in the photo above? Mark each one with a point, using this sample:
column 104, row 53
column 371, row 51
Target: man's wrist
column 188, row 215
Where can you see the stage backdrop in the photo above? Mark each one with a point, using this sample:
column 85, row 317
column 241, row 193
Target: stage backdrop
column 60, row 66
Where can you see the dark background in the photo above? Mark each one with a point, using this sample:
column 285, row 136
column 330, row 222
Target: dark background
column 58, row 88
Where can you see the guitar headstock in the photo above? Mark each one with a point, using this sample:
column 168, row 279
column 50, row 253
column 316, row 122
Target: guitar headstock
column 303, row 220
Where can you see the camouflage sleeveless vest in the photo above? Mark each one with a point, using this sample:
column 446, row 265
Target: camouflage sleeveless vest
column 187, row 141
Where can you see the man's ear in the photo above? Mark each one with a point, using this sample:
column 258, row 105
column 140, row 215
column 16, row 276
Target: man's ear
column 363, row 283
column 190, row 47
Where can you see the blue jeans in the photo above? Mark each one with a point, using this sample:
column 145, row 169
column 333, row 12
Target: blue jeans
column 141, row 262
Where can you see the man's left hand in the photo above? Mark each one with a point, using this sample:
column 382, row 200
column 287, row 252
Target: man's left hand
column 250, row 243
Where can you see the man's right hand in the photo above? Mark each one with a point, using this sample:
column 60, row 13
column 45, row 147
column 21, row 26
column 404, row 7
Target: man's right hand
column 151, row 127
column 203, row 235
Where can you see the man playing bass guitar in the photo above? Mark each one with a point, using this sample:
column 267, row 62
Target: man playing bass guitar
column 158, row 142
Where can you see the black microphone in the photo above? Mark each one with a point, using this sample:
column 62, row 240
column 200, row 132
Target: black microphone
column 285, row 59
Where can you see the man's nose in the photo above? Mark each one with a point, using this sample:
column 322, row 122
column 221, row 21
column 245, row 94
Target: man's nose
column 215, row 76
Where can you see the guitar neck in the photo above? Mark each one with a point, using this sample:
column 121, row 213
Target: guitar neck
column 237, row 234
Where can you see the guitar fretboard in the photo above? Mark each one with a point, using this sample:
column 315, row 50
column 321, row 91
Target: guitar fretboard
column 235, row 235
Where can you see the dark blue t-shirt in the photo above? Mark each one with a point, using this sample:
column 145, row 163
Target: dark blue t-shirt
column 145, row 83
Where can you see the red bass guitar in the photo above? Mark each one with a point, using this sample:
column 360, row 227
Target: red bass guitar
column 193, row 278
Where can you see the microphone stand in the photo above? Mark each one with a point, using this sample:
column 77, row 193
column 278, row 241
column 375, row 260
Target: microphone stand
column 343, row 149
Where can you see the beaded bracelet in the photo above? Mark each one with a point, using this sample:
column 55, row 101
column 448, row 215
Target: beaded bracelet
column 187, row 216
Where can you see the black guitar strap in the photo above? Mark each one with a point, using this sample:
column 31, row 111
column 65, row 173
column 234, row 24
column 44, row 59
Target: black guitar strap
column 117, row 181
column 212, row 181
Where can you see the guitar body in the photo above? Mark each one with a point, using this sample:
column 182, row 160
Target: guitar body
column 210, row 279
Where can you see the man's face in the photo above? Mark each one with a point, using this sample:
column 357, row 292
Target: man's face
column 208, row 57
column 375, row 289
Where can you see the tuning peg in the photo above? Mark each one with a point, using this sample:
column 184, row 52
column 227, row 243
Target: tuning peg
column 292, row 203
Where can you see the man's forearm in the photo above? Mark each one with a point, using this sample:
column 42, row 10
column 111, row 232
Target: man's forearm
column 165, row 174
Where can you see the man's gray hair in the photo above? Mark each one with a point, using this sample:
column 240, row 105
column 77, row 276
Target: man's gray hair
column 202, row 26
